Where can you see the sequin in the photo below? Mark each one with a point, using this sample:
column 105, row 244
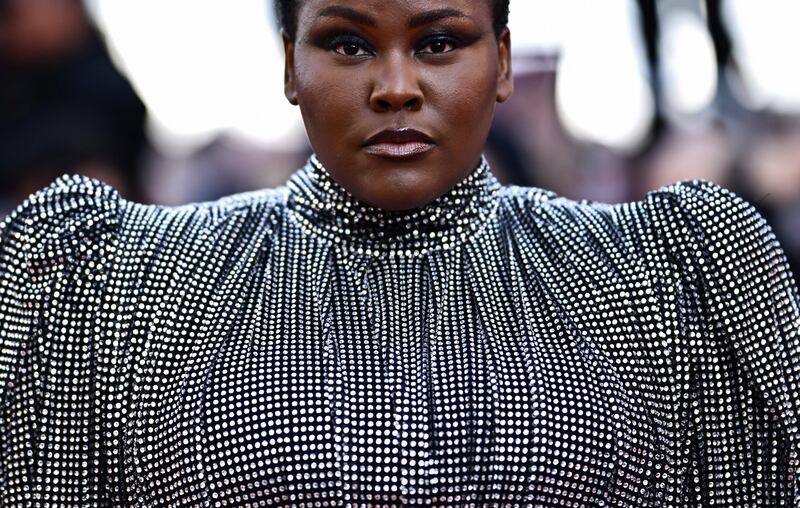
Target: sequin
column 501, row 346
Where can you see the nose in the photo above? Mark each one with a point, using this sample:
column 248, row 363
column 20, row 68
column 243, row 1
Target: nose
column 396, row 86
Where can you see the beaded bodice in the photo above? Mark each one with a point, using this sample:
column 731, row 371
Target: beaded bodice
column 500, row 346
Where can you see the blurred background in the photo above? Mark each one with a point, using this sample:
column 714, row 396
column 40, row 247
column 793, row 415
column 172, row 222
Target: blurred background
column 172, row 101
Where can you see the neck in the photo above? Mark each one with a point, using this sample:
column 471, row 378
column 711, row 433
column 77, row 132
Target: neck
column 328, row 210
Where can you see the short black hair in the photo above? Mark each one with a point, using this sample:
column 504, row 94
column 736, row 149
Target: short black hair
column 287, row 15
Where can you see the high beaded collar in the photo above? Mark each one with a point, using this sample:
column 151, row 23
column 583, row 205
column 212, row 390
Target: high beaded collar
column 325, row 208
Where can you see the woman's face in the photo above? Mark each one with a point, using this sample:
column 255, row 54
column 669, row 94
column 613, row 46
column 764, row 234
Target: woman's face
column 397, row 96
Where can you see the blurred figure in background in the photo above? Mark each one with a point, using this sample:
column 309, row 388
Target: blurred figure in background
column 63, row 105
column 769, row 177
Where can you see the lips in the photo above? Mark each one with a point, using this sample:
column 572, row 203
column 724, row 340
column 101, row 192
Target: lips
column 399, row 143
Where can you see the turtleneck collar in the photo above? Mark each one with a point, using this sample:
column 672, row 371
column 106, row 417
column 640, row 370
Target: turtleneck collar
column 325, row 208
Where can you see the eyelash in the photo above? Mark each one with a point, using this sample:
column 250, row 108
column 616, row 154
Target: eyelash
column 453, row 42
column 338, row 41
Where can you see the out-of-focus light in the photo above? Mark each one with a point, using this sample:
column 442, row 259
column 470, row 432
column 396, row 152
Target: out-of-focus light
column 602, row 92
column 538, row 26
column 766, row 38
column 689, row 68
column 202, row 67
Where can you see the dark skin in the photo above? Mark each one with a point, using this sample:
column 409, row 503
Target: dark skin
column 360, row 67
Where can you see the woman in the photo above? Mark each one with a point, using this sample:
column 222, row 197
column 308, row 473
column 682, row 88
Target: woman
column 393, row 327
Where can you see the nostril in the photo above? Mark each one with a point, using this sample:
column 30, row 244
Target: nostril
column 412, row 103
column 395, row 100
column 384, row 105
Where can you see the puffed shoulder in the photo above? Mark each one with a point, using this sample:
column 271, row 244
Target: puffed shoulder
column 729, row 240
column 54, row 250
column 67, row 220
column 721, row 233
column 751, row 298
column 706, row 200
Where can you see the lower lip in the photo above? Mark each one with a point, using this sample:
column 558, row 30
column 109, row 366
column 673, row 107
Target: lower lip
column 399, row 150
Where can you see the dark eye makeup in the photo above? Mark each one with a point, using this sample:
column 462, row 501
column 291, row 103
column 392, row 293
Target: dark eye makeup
column 347, row 44
column 350, row 44
column 440, row 43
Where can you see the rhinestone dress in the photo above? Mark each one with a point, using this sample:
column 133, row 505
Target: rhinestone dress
column 500, row 346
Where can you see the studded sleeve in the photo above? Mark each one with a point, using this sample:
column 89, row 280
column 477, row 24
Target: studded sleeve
column 16, row 326
column 52, row 253
column 741, row 389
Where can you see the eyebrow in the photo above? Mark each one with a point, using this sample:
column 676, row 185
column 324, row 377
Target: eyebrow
column 428, row 17
column 340, row 11
column 424, row 18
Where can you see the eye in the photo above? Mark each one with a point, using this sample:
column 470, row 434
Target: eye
column 348, row 45
column 350, row 49
column 438, row 45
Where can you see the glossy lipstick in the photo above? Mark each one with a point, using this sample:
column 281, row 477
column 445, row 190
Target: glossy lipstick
column 399, row 144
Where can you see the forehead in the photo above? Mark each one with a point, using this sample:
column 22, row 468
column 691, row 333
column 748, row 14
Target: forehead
column 384, row 9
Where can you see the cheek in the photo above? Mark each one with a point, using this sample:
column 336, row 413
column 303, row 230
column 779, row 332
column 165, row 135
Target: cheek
column 324, row 102
column 465, row 93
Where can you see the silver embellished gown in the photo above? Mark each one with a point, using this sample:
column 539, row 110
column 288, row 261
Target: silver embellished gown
column 501, row 346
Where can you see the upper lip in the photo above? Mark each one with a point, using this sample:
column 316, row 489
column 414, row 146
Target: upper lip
column 404, row 135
